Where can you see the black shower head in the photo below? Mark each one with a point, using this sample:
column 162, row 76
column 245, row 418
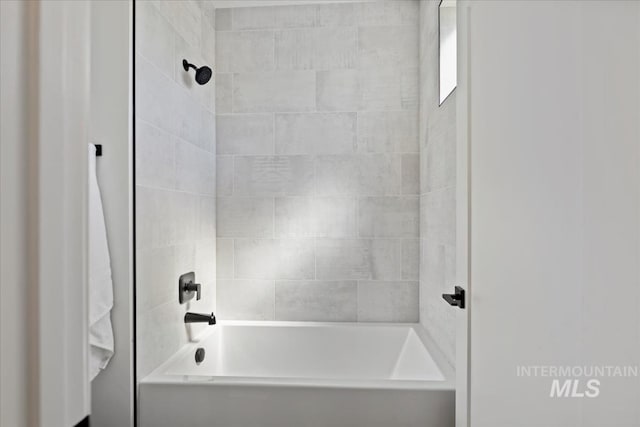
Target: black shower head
column 203, row 74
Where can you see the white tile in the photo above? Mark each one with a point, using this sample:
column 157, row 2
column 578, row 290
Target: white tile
column 154, row 218
column 207, row 218
column 208, row 48
column 388, row 88
column 386, row 256
column 224, row 176
column 316, row 48
column 185, row 216
column 155, row 277
column 274, row 259
column 336, row 175
column 410, row 174
column 388, row 12
column 160, row 333
column 439, row 218
column 155, row 96
column 338, row 90
column 389, row 216
column 246, row 299
column 223, row 19
column 379, row 174
column 224, row 92
column 316, row 301
column 224, row 258
column 388, row 131
column 353, row 259
column 336, row 15
column 440, row 152
column 335, row 216
column 410, row 259
column 185, row 16
column 388, row 302
column 243, row 51
column 245, row 134
column 315, row 133
column 282, row 91
column 195, row 169
column 155, row 38
column 294, row 217
column 273, row 175
column 245, row 217
column 155, row 157
column 255, row 18
column 388, row 47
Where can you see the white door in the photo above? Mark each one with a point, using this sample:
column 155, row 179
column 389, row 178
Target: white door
column 61, row 99
column 553, row 130
column 462, row 216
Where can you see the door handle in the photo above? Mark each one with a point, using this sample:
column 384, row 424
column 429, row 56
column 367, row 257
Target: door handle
column 456, row 299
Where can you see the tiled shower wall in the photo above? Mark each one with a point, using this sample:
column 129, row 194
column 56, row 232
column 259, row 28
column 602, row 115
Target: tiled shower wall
column 175, row 172
column 438, row 191
column 318, row 162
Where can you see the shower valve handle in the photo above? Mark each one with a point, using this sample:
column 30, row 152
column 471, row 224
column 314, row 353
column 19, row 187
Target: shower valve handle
column 193, row 287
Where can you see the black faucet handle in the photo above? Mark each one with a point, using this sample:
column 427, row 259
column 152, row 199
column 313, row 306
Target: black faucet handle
column 194, row 287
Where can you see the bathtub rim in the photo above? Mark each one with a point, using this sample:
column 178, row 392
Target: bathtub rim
column 158, row 377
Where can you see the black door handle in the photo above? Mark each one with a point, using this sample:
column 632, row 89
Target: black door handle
column 456, row 299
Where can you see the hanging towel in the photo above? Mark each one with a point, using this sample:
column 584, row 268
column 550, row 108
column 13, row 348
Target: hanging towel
column 100, row 284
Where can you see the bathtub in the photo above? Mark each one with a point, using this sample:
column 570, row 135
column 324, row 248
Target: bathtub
column 290, row 374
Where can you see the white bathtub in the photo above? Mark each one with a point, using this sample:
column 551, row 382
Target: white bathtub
column 289, row 374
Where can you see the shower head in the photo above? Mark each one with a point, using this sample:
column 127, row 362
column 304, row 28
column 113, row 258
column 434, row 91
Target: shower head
column 203, row 74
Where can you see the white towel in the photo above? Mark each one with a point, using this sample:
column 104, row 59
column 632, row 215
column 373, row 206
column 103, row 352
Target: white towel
column 100, row 284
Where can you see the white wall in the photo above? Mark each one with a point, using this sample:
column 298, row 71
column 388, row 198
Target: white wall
column 318, row 162
column 112, row 392
column 554, row 107
column 175, row 173
column 14, row 275
column 437, row 190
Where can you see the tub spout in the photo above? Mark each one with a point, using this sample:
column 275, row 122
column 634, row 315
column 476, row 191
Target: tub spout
column 200, row 318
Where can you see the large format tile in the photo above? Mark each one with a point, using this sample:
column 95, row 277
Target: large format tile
column 335, row 216
column 245, row 134
column 245, row 217
column 388, row 88
column 195, row 169
column 338, row 90
column 224, row 176
column 380, row 174
column 255, row 18
column 388, row 131
column 224, row 92
column 315, row 133
column 316, row 301
column 246, row 299
column 388, row 46
column 389, row 217
column 155, row 157
column 281, row 91
column 316, row 48
column 388, row 301
column 393, row 12
column 242, row 51
column 294, row 217
column 353, row 259
column 155, row 38
column 336, row 15
column 274, row 259
column 224, row 258
column 336, row 175
column 273, row 175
